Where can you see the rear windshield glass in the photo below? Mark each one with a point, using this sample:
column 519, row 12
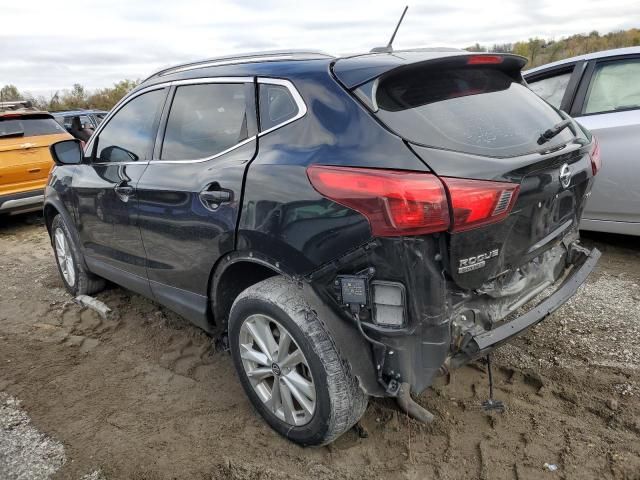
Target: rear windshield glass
column 477, row 110
column 29, row 127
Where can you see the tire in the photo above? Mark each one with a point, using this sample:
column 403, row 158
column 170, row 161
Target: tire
column 76, row 278
column 339, row 402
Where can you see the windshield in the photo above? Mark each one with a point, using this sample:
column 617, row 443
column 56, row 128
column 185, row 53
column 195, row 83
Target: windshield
column 477, row 110
column 29, row 127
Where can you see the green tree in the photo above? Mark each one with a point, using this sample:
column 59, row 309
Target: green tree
column 9, row 93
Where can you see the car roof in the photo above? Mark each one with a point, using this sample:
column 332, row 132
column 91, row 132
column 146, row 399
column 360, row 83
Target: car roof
column 357, row 67
column 244, row 59
column 588, row 56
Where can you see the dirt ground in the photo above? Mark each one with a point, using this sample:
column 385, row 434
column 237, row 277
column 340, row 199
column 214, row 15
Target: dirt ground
column 146, row 396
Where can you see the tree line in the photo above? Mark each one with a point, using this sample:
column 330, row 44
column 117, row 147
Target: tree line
column 77, row 98
column 538, row 51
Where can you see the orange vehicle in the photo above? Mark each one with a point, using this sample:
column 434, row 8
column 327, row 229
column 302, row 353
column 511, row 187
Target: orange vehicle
column 25, row 161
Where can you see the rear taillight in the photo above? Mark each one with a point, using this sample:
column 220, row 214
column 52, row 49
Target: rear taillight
column 395, row 202
column 479, row 202
column 594, row 154
column 400, row 203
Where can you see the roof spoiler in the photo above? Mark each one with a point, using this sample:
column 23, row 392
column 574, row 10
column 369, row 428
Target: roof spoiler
column 355, row 71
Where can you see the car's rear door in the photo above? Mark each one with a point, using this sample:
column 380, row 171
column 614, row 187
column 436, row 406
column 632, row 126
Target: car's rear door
column 189, row 198
column 608, row 104
column 105, row 190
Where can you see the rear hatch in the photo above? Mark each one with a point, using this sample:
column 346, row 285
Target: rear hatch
column 471, row 117
column 25, row 160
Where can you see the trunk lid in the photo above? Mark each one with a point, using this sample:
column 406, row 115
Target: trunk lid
column 472, row 117
column 544, row 211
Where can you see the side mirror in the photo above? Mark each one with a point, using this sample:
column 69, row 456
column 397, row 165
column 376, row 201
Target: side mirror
column 67, row 152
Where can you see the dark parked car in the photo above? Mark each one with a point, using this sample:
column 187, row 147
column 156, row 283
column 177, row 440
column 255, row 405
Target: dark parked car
column 355, row 226
column 80, row 123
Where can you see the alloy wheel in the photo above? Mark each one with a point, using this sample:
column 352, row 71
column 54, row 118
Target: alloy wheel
column 65, row 257
column 277, row 369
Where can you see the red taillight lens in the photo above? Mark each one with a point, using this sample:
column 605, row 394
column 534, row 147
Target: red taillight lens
column 395, row 202
column 484, row 60
column 596, row 161
column 478, row 202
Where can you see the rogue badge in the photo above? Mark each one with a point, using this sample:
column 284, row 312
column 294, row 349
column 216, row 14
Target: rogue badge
column 474, row 263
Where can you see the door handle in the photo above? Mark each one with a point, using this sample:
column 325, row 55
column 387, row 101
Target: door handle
column 212, row 196
column 124, row 191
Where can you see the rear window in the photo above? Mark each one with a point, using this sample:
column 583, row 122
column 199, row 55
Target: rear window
column 29, row 127
column 477, row 110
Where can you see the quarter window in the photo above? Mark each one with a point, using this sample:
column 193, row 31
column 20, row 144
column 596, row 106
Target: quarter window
column 277, row 105
column 205, row 120
column 551, row 88
column 130, row 134
column 614, row 86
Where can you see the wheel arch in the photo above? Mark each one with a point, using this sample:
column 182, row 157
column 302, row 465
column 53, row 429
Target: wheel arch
column 234, row 273
column 53, row 207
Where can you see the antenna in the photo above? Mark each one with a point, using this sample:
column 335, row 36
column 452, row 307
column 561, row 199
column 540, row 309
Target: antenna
column 389, row 48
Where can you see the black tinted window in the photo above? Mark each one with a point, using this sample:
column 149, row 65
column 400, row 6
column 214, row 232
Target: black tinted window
column 276, row 105
column 481, row 111
column 29, row 127
column 130, row 134
column 204, row 120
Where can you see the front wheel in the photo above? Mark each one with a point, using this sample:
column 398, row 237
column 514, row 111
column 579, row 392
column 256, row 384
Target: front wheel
column 76, row 278
column 290, row 367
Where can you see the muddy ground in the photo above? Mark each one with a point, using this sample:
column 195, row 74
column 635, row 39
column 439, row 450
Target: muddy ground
column 146, row 395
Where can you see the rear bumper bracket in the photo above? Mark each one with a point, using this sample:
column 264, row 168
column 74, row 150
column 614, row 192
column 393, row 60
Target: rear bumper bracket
column 481, row 344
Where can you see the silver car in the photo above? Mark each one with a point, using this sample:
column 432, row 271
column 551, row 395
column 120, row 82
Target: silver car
column 602, row 91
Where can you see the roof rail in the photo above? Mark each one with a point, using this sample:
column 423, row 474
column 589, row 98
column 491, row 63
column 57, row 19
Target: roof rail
column 267, row 56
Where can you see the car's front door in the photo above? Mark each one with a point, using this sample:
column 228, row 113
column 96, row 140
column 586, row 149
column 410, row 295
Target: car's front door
column 189, row 198
column 608, row 104
column 105, row 190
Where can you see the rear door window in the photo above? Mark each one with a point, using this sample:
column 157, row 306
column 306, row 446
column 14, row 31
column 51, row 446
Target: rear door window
column 478, row 110
column 207, row 119
column 29, row 127
column 614, row 86
column 551, row 88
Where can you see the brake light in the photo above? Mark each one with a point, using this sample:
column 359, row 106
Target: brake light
column 396, row 203
column 594, row 154
column 484, row 59
column 479, row 202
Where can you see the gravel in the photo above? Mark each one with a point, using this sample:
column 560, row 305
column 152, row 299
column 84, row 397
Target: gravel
column 25, row 453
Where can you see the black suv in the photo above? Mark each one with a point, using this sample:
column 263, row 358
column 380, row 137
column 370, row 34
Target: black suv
column 354, row 226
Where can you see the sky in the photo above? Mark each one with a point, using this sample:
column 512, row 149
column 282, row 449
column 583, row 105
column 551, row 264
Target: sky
column 48, row 45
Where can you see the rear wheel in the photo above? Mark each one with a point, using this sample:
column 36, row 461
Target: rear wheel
column 289, row 365
column 76, row 278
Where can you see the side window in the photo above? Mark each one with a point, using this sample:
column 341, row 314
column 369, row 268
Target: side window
column 551, row 88
column 130, row 134
column 276, row 105
column 614, row 86
column 207, row 119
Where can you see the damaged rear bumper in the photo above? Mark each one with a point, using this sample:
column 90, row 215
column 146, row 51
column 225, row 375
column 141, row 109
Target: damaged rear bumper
column 478, row 345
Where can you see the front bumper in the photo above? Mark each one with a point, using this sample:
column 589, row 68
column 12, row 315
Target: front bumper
column 480, row 344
